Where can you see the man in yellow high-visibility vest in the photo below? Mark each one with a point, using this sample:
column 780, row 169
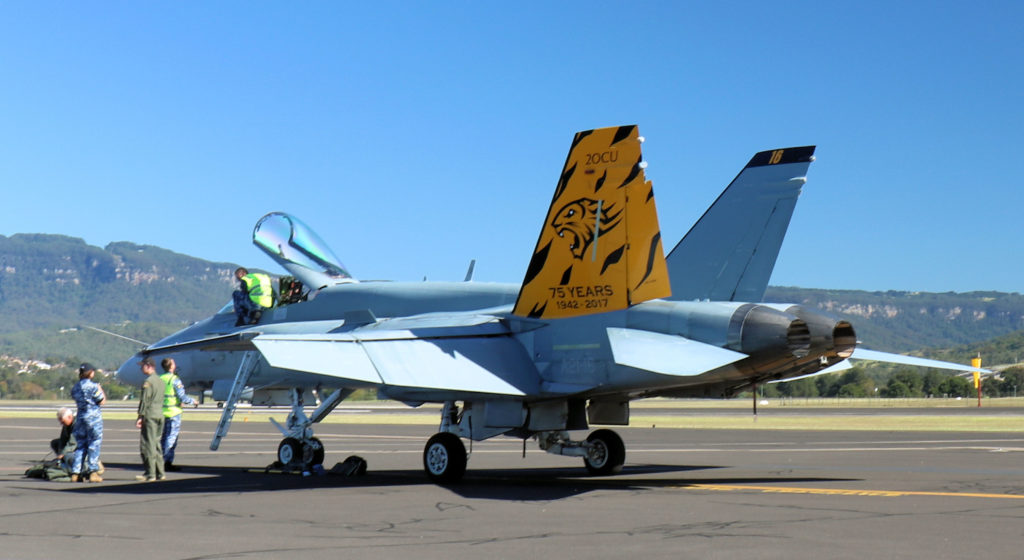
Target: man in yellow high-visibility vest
column 254, row 294
column 174, row 397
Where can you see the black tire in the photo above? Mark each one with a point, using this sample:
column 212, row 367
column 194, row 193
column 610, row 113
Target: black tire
column 313, row 452
column 289, row 452
column 610, row 453
column 444, row 458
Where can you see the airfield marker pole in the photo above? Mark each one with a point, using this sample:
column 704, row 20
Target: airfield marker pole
column 976, row 363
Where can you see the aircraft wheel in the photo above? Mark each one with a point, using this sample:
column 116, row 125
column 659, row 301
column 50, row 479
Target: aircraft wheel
column 289, row 452
column 444, row 458
column 313, row 452
column 608, row 453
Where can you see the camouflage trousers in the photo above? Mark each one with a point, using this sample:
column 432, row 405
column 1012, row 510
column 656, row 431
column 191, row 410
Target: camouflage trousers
column 172, row 427
column 89, row 435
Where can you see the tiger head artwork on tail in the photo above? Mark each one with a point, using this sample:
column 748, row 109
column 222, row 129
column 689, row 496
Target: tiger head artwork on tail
column 600, row 248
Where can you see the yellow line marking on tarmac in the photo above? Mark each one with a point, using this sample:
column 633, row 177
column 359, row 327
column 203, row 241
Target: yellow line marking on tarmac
column 843, row 491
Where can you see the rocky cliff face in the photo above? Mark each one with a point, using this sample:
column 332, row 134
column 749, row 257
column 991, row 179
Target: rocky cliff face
column 54, row 279
column 901, row 321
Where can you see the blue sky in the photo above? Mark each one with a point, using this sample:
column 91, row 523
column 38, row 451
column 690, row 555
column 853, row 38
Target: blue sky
column 417, row 136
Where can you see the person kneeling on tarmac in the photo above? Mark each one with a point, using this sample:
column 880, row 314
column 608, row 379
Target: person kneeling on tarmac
column 59, row 468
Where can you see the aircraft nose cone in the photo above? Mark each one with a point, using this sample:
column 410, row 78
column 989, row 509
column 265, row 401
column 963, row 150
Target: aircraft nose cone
column 129, row 372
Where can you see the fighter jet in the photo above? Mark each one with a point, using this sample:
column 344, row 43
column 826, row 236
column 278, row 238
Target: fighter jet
column 595, row 324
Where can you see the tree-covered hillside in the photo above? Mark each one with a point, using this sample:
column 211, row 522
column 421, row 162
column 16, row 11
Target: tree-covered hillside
column 53, row 285
column 54, row 280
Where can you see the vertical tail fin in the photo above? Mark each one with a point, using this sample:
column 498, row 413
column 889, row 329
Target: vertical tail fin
column 729, row 254
column 600, row 248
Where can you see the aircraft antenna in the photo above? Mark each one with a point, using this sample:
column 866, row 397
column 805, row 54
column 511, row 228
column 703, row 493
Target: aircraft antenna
column 129, row 339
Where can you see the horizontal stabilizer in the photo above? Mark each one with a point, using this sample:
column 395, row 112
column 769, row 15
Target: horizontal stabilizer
column 834, row 368
column 876, row 356
column 667, row 354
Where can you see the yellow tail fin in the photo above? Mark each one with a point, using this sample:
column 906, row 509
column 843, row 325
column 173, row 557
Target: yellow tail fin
column 600, row 248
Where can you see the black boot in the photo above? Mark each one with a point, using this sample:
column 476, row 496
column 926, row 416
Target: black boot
column 169, row 467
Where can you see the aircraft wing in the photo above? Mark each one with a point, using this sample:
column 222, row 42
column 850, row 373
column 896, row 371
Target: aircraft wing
column 467, row 358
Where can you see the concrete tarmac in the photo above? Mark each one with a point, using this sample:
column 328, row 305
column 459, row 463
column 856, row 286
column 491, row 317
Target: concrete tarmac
column 682, row 494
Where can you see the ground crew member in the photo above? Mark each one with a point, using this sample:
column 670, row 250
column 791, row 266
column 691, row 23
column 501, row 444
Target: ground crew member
column 88, row 430
column 64, row 446
column 254, row 294
column 174, row 397
column 151, row 422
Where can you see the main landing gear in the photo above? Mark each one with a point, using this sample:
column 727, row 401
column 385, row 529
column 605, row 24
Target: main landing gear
column 603, row 451
column 445, row 457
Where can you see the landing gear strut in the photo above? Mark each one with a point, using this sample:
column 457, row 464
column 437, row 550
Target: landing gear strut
column 603, row 451
column 299, row 449
column 444, row 456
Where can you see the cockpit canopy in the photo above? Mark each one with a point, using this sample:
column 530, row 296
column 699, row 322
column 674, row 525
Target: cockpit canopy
column 296, row 247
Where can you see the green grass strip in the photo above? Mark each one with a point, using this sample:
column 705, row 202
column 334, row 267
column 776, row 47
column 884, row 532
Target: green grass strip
column 808, row 421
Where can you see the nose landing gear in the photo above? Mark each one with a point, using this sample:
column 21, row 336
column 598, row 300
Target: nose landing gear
column 294, row 453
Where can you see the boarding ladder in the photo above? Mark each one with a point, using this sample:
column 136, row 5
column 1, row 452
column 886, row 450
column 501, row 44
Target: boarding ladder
column 249, row 361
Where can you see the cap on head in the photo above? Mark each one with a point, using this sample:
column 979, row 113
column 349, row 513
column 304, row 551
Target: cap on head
column 85, row 368
column 147, row 362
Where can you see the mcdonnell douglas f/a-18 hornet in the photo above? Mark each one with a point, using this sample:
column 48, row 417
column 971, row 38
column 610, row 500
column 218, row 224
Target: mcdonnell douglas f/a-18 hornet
column 601, row 318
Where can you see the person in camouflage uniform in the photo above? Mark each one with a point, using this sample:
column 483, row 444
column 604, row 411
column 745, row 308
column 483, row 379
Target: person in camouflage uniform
column 174, row 397
column 88, row 430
